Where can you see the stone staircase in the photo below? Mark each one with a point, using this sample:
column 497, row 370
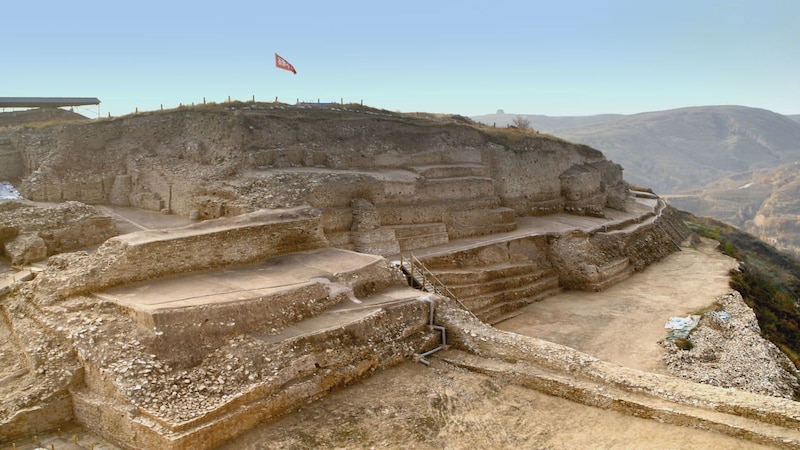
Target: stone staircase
column 289, row 330
column 469, row 184
column 469, row 223
column 306, row 361
column 493, row 291
column 487, row 292
column 450, row 201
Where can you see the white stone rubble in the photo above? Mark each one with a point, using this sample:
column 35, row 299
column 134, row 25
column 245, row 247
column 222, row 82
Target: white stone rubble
column 728, row 351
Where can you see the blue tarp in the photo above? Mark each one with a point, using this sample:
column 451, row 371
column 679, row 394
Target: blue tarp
column 681, row 326
column 7, row 191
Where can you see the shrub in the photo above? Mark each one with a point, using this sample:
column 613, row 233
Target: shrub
column 521, row 122
column 684, row 344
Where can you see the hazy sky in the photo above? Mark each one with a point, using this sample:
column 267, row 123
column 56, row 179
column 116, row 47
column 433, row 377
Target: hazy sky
column 555, row 57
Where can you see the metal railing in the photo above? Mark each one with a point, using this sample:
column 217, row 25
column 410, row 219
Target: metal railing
column 427, row 280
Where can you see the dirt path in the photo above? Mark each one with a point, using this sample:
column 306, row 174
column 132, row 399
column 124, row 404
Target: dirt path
column 624, row 323
column 413, row 406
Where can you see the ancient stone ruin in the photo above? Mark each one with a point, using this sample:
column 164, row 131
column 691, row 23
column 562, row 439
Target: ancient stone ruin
column 310, row 227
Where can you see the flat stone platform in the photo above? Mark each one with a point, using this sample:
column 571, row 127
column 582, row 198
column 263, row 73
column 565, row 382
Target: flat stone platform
column 198, row 311
column 239, row 283
column 639, row 211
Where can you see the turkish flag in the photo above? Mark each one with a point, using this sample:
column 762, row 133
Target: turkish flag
column 281, row 63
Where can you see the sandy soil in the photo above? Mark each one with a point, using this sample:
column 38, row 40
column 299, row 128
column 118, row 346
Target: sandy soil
column 413, row 406
column 624, row 323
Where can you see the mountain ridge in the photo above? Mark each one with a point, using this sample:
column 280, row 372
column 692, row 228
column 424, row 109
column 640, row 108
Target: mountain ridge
column 681, row 149
column 734, row 163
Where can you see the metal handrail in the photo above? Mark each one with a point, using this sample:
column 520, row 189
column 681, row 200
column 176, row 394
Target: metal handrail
column 438, row 287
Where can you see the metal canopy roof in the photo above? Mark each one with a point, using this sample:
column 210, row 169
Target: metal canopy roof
column 46, row 102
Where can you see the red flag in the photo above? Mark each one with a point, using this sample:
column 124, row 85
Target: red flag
column 281, row 63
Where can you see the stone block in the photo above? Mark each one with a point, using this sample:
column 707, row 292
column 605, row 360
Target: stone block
column 25, row 249
column 381, row 241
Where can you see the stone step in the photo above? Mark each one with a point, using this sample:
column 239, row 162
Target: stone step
column 424, row 241
column 611, row 280
column 466, row 231
column 456, row 188
column 306, row 360
column 497, row 284
column 452, row 170
column 470, row 275
column 429, row 211
column 412, row 237
column 614, row 267
column 612, row 273
column 418, row 229
column 498, row 312
column 484, row 301
column 199, row 310
column 479, row 222
column 480, row 217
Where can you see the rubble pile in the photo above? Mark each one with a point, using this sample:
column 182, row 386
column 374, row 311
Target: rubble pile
column 727, row 350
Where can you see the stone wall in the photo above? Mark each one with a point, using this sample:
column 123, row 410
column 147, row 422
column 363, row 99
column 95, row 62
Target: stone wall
column 588, row 260
column 528, row 179
column 301, row 369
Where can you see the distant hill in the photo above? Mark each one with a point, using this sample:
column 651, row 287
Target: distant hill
column 548, row 124
column 763, row 202
column 733, row 163
column 682, row 149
